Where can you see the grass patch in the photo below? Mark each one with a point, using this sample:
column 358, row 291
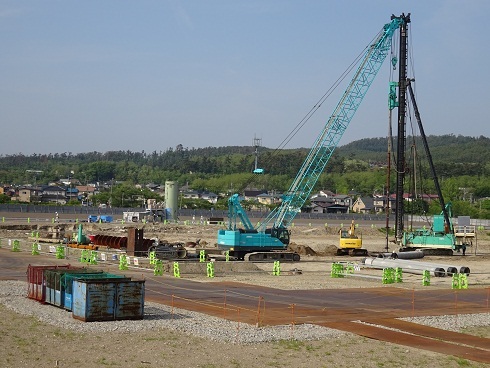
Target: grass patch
column 295, row 345
column 104, row 361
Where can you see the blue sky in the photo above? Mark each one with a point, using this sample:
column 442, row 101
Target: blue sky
column 81, row 76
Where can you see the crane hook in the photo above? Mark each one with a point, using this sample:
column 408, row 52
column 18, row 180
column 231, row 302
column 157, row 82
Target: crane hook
column 394, row 60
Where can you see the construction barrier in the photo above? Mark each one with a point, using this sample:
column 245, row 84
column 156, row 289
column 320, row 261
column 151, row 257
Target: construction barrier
column 60, row 252
column 176, row 269
column 388, row 275
column 398, row 275
column 158, row 269
column 276, row 270
column 84, row 256
column 337, row 270
column 93, row 257
column 15, row 246
column 35, row 250
column 459, row 281
column 153, row 257
column 426, row 278
column 123, row 262
column 210, row 269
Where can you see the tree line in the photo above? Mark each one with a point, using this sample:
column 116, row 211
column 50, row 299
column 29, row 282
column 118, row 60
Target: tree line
column 462, row 164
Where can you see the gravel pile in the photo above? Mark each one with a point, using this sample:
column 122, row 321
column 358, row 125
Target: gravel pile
column 13, row 297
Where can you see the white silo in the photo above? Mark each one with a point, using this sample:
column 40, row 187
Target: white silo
column 171, row 199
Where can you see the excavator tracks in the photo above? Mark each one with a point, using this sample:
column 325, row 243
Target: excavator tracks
column 272, row 256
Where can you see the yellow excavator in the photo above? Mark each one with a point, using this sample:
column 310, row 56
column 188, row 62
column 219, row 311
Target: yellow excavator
column 350, row 243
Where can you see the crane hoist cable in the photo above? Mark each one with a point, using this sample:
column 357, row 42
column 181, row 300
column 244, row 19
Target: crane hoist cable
column 312, row 111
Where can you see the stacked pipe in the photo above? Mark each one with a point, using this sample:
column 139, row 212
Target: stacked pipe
column 417, row 267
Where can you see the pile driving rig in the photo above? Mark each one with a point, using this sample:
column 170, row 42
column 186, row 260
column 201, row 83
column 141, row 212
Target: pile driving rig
column 269, row 239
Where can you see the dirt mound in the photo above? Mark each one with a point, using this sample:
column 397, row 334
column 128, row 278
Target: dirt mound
column 301, row 249
column 329, row 250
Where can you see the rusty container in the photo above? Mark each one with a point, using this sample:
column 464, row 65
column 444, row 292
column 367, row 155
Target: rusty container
column 36, row 285
column 69, row 278
column 56, row 283
column 108, row 299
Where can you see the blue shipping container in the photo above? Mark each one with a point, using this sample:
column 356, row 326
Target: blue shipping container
column 108, row 299
column 69, row 278
column 55, row 284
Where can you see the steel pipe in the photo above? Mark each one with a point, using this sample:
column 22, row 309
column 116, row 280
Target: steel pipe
column 416, row 254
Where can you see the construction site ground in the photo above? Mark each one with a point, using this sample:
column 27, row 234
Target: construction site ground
column 359, row 303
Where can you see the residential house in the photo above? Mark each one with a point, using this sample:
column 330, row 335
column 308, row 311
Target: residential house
column 153, row 187
column 190, row 194
column 29, row 194
column 268, row 198
column 429, row 197
column 343, row 200
column 379, row 203
column 251, row 194
column 332, row 204
column 72, row 194
column 210, row 197
column 85, row 192
column 363, row 205
column 320, row 204
column 53, row 193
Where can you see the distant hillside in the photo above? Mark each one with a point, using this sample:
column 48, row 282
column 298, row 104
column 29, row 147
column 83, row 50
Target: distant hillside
column 449, row 149
column 453, row 156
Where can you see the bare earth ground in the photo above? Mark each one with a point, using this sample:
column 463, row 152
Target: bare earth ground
column 26, row 342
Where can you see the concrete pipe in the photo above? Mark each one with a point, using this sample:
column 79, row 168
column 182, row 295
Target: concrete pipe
column 406, row 266
column 448, row 268
column 451, row 270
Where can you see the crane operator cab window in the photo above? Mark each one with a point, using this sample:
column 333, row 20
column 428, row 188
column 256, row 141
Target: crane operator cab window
column 282, row 234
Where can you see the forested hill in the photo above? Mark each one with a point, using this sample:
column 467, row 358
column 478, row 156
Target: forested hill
column 453, row 156
column 448, row 149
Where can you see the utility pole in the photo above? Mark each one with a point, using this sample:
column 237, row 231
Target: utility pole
column 257, row 144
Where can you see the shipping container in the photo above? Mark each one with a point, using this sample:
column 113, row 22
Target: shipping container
column 108, row 300
column 36, row 285
column 68, row 285
column 55, row 283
